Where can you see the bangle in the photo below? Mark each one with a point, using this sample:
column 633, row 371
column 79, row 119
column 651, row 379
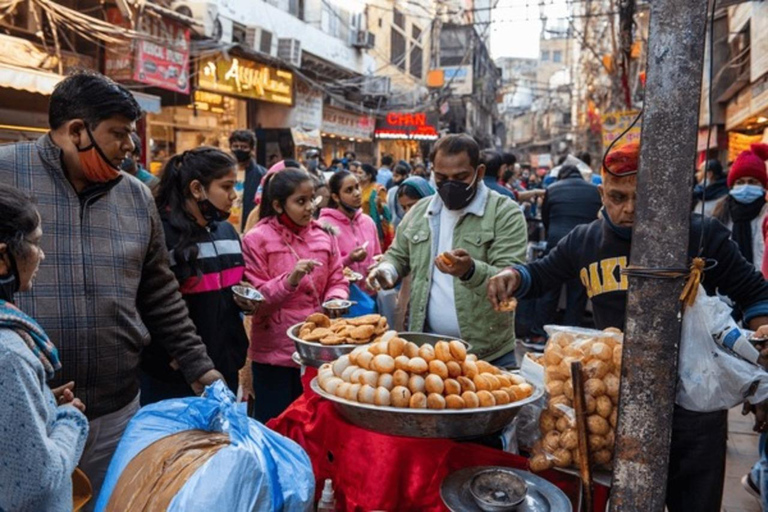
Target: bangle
column 468, row 275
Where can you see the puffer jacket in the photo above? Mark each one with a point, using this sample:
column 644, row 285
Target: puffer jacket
column 351, row 234
column 271, row 251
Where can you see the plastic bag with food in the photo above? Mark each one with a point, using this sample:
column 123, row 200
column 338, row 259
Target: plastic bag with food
column 600, row 355
column 203, row 454
column 711, row 376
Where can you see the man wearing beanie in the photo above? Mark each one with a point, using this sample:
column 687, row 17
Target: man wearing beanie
column 596, row 253
column 743, row 210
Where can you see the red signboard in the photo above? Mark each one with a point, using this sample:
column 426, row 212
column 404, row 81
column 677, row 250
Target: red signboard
column 161, row 60
column 408, row 126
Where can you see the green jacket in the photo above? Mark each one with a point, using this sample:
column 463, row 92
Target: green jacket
column 493, row 231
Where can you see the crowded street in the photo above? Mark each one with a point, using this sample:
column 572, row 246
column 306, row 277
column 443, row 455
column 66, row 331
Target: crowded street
column 384, row 255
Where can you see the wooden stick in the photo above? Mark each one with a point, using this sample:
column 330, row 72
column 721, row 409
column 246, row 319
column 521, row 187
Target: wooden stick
column 580, row 410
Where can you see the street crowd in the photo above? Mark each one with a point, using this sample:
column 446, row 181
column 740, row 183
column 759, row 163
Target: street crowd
column 116, row 285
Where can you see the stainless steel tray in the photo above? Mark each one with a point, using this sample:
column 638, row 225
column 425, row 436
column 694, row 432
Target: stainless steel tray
column 453, row 424
column 542, row 496
column 315, row 354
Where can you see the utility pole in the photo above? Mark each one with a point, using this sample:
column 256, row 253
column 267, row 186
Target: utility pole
column 660, row 240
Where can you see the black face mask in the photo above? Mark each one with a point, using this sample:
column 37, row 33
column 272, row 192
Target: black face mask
column 10, row 283
column 457, row 194
column 127, row 165
column 350, row 209
column 241, row 155
column 210, row 212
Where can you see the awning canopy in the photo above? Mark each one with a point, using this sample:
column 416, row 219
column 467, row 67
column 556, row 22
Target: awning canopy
column 43, row 82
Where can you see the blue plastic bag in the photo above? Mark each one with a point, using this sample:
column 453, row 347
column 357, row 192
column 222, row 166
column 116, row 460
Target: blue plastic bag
column 366, row 304
column 259, row 470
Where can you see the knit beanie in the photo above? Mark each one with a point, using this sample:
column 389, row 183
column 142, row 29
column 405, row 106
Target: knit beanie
column 624, row 159
column 750, row 164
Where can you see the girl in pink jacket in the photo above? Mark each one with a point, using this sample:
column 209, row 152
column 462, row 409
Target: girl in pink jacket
column 356, row 233
column 296, row 266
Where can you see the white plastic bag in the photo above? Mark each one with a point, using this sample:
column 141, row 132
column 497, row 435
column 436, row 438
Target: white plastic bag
column 710, row 376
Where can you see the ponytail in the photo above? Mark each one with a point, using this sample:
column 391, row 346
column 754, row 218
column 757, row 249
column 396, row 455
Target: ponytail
column 203, row 164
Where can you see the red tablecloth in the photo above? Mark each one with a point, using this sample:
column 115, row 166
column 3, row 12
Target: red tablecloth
column 372, row 471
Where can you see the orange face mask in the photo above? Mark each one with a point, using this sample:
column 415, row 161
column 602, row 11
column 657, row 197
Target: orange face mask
column 95, row 165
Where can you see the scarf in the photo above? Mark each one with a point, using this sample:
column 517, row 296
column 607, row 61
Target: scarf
column 622, row 232
column 286, row 221
column 742, row 216
column 383, row 222
column 33, row 335
column 420, row 185
column 714, row 190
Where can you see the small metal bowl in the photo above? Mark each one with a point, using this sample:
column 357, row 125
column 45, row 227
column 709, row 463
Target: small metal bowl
column 337, row 307
column 498, row 490
column 353, row 277
column 248, row 293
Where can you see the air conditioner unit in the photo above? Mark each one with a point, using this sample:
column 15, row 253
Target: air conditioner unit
column 376, row 86
column 363, row 39
column 289, row 50
column 260, row 40
column 207, row 14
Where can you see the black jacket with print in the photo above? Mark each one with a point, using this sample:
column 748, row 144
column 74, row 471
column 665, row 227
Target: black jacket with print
column 597, row 252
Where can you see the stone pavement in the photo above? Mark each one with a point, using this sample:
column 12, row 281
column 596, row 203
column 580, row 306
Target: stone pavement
column 742, row 453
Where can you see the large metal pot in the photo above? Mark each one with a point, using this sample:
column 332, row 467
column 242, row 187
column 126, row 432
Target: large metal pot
column 453, row 424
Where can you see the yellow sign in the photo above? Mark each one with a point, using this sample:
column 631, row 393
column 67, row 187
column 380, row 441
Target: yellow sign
column 738, row 142
column 209, row 102
column 247, row 79
column 614, row 124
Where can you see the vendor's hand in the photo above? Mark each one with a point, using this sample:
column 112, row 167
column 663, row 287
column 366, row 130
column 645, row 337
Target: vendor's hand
column 761, row 415
column 204, row 380
column 502, row 287
column 380, row 278
column 358, row 255
column 460, row 262
column 248, row 306
column 302, row 268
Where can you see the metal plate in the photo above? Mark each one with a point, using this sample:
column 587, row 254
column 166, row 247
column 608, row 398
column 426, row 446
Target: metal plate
column 451, row 424
column 316, row 354
column 542, row 496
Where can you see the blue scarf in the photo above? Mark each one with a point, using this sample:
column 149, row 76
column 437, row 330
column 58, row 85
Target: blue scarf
column 622, row 232
column 33, row 335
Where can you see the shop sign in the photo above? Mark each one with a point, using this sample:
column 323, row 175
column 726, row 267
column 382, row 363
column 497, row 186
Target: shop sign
column 345, row 124
column 614, row 124
column 760, row 96
column 209, row 102
column 459, row 79
column 161, row 60
column 246, row 79
column 307, row 112
column 738, row 142
column 408, row 126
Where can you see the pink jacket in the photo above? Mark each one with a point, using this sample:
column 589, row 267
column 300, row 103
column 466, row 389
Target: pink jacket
column 271, row 251
column 351, row 235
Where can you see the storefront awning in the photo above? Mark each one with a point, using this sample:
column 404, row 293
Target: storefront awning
column 308, row 138
column 43, row 82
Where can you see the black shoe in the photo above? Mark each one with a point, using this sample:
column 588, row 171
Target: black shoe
column 536, row 343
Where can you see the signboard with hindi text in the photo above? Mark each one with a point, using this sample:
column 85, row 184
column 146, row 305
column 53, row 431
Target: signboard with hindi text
column 614, row 124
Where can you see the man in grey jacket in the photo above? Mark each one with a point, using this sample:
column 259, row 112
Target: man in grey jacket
column 105, row 289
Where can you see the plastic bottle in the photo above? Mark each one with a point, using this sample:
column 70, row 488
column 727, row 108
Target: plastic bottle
column 327, row 502
column 734, row 339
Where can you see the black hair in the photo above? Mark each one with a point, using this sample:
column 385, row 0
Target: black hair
column 493, row 162
column 335, row 161
column 402, row 168
column 334, row 185
column 408, row 190
column 246, row 136
column 585, row 157
column 279, row 187
column 716, row 168
column 509, row 158
column 18, row 219
column 455, row 144
column 204, row 164
column 387, row 161
column 293, row 164
column 370, row 171
column 92, row 97
column 136, row 144
column 508, row 175
column 350, row 153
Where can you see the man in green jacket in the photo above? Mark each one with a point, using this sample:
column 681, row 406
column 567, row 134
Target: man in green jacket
column 451, row 244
